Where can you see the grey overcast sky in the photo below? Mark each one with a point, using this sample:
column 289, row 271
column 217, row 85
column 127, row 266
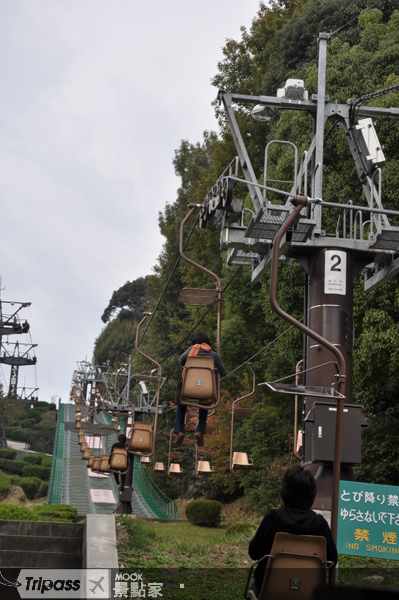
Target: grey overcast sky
column 95, row 97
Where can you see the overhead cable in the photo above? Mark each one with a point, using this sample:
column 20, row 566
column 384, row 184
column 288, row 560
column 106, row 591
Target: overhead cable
column 261, row 350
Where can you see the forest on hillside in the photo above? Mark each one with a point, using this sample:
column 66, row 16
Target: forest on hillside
column 281, row 43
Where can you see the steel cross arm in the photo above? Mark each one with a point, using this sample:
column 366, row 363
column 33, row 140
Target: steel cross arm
column 282, row 103
column 332, row 108
column 246, row 165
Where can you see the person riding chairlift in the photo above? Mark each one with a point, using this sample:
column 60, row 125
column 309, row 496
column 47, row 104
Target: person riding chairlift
column 201, row 346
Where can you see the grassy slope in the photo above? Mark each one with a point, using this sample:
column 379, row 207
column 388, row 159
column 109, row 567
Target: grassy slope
column 208, row 559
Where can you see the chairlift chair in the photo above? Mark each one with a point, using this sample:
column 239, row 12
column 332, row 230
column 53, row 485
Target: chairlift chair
column 200, row 387
column 90, row 461
column 173, row 468
column 145, row 460
column 201, row 467
column 119, row 461
column 296, row 565
column 240, row 460
column 86, row 454
column 142, row 438
column 159, row 467
column 104, row 464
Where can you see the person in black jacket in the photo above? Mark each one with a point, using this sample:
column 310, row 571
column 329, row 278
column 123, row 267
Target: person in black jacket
column 298, row 492
column 121, row 443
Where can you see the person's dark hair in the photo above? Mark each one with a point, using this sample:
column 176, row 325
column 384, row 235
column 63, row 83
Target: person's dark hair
column 200, row 338
column 122, row 438
column 298, row 489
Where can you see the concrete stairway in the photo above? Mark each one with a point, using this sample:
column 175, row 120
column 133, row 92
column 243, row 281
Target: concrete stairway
column 34, row 544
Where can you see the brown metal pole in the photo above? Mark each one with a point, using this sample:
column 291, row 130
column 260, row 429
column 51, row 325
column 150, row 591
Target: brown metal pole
column 193, row 208
column 300, row 202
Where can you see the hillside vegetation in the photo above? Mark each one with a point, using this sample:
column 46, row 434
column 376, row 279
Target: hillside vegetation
column 281, row 43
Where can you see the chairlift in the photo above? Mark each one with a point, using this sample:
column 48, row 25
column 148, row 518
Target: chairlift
column 201, row 382
column 173, row 468
column 86, row 454
column 239, row 460
column 142, row 438
column 159, row 467
column 119, row 461
column 201, row 467
column 145, row 460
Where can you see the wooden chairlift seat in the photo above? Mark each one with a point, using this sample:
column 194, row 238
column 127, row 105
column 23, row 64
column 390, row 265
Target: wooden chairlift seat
column 296, row 565
column 118, row 462
column 199, row 381
column 145, row 378
column 86, row 454
column 204, row 467
column 145, row 460
column 198, row 297
column 83, row 446
column 241, row 461
column 159, row 466
column 243, row 413
column 175, row 469
column 96, row 464
column 78, row 425
column 141, row 438
column 104, row 464
column 91, row 460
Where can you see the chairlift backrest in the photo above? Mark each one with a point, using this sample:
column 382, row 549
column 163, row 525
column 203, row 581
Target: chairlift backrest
column 119, row 460
column 199, row 381
column 141, row 438
column 104, row 464
column 240, row 460
column 297, row 565
column 204, row 467
column 175, row 469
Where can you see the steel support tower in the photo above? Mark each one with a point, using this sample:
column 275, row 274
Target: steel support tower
column 364, row 243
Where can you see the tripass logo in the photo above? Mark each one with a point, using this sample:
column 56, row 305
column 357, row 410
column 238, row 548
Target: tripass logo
column 60, row 583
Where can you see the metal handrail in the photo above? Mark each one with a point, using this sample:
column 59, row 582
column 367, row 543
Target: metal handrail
column 57, row 464
column 147, row 487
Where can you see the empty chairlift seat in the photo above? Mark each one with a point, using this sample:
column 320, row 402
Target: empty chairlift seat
column 199, row 381
column 104, row 463
column 241, row 461
column 118, row 462
column 175, row 469
column 160, row 467
column 141, row 438
column 198, row 297
column 145, row 460
column 204, row 467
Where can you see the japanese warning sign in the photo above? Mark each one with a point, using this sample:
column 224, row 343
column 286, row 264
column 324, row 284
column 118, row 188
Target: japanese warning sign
column 368, row 520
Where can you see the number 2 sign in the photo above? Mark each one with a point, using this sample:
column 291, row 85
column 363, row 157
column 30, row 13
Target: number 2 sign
column 335, row 272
